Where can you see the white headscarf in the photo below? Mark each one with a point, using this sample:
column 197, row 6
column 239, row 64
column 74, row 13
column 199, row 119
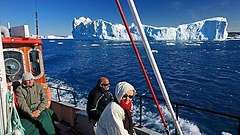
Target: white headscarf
column 122, row 88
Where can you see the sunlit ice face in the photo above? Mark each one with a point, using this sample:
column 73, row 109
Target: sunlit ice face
column 28, row 82
column 128, row 96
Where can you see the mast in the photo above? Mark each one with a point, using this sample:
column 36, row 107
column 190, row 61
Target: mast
column 153, row 64
column 3, row 91
column 36, row 24
column 36, row 17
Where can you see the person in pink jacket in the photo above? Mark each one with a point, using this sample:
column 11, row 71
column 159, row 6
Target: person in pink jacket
column 116, row 118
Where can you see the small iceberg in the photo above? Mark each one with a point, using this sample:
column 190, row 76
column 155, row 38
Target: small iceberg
column 154, row 51
column 52, row 41
column 60, row 43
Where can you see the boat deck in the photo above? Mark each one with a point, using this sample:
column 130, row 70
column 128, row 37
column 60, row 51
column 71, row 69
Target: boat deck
column 62, row 129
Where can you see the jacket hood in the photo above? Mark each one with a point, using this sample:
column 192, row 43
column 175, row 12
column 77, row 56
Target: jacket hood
column 122, row 88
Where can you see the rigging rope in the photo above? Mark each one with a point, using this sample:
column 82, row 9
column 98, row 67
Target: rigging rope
column 154, row 64
column 142, row 67
column 2, row 113
column 14, row 125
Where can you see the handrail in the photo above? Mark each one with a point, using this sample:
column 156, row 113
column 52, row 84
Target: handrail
column 59, row 97
column 177, row 104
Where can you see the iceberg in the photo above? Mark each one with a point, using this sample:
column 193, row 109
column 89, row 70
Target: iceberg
column 52, row 36
column 204, row 30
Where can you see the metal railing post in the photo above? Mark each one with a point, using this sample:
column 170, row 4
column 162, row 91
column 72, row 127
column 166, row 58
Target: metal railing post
column 58, row 94
column 177, row 114
column 238, row 126
column 74, row 98
column 140, row 119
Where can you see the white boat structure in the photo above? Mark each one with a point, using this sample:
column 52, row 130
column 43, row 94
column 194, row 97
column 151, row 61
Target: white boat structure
column 24, row 54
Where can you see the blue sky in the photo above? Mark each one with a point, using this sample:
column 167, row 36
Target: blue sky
column 55, row 16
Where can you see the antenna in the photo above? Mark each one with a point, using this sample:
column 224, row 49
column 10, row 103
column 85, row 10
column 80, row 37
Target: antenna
column 36, row 15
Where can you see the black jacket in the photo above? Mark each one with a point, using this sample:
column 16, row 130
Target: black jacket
column 97, row 101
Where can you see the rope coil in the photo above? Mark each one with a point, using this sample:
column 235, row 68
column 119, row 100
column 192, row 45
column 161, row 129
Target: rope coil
column 14, row 125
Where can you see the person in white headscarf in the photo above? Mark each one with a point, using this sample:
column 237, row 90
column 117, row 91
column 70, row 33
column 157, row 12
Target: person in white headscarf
column 116, row 118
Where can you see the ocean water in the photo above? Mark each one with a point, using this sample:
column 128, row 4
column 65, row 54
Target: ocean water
column 202, row 74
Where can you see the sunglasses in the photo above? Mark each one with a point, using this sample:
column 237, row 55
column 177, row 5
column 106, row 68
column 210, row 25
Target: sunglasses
column 129, row 96
column 105, row 84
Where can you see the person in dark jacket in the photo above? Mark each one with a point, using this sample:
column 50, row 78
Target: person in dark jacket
column 98, row 99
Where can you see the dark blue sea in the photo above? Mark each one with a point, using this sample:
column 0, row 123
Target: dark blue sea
column 202, row 74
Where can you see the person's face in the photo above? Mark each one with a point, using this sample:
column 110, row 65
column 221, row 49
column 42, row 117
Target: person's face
column 28, row 82
column 128, row 96
column 105, row 83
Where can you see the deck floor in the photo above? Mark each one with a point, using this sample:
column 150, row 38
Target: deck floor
column 64, row 130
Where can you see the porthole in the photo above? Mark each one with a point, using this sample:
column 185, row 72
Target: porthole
column 12, row 66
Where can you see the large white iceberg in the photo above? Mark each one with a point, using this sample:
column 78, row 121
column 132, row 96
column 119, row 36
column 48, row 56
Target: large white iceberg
column 208, row 29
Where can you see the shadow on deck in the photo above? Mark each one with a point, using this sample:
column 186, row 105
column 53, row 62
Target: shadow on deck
column 62, row 129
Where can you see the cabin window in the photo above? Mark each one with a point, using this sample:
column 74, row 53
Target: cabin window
column 35, row 62
column 13, row 65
